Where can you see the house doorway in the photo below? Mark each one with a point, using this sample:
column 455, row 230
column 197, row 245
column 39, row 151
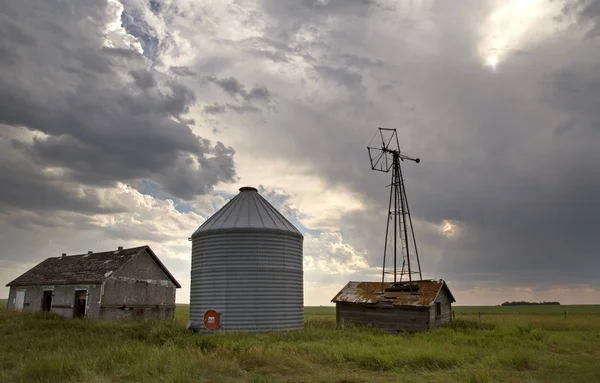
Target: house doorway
column 47, row 300
column 79, row 306
column 19, row 300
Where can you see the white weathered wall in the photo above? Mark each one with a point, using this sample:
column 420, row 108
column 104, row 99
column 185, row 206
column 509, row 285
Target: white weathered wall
column 446, row 306
column 63, row 299
column 139, row 290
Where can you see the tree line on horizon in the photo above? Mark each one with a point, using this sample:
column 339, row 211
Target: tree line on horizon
column 524, row 303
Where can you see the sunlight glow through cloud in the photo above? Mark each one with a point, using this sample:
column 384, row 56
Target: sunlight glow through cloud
column 512, row 26
column 449, row 229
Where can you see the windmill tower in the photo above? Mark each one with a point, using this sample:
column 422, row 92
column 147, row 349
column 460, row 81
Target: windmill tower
column 409, row 303
column 387, row 157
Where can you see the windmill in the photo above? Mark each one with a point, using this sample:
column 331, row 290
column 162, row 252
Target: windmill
column 387, row 158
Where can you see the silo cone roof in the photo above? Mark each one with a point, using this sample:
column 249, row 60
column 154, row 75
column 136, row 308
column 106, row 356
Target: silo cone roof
column 247, row 211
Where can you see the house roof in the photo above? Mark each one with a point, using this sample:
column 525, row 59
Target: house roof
column 84, row 268
column 370, row 292
column 247, row 211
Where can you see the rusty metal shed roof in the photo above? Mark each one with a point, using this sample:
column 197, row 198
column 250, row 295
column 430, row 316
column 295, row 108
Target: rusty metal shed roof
column 84, row 268
column 370, row 293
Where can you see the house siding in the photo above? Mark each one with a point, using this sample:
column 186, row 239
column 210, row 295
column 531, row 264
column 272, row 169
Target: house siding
column 63, row 299
column 446, row 309
column 140, row 290
column 389, row 318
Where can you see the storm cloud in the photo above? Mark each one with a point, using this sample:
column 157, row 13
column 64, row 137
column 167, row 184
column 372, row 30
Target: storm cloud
column 64, row 79
column 498, row 98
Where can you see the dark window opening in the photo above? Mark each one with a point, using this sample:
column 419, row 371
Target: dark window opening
column 403, row 287
column 47, row 300
column 79, row 306
column 438, row 309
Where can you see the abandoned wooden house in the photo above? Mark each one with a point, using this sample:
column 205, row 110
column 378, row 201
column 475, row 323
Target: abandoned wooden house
column 121, row 284
column 401, row 306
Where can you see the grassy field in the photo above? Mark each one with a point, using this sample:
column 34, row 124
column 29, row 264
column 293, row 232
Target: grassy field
column 506, row 346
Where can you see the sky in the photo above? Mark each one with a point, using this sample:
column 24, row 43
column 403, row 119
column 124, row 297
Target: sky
column 130, row 122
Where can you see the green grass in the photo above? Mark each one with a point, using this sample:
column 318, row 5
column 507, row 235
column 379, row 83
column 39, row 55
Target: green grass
column 503, row 347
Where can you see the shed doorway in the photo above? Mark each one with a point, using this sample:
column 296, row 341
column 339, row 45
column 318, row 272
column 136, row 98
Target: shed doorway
column 80, row 303
column 47, row 300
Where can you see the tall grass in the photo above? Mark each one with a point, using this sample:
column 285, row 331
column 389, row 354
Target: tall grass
column 46, row 348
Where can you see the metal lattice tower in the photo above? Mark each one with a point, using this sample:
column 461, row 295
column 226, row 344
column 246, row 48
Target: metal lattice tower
column 387, row 158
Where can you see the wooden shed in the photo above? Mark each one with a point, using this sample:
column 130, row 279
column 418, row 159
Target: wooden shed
column 395, row 307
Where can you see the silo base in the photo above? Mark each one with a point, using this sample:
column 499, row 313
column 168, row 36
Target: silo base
column 195, row 327
column 198, row 327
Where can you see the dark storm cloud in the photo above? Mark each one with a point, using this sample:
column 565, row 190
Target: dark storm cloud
column 216, row 109
column 353, row 60
column 587, row 14
column 144, row 79
column 100, row 125
column 492, row 161
column 181, row 71
column 26, row 186
column 577, row 91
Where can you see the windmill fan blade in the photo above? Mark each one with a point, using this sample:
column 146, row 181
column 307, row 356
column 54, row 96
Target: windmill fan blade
column 389, row 139
column 380, row 160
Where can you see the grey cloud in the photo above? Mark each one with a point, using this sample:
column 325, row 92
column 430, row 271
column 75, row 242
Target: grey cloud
column 144, row 79
column 134, row 22
column 576, row 90
column 491, row 158
column 181, row 71
column 14, row 34
column 241, row 109
column 281, row 200
column 216, row 109
column 586, row 12
column 97, row 127
column 359, row 61
column 525, row 196
column 26, row 186
column 344, row 77
column 234, row 88
column 386, row 87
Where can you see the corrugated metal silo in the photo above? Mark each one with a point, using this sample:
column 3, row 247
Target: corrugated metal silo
column 247, row 265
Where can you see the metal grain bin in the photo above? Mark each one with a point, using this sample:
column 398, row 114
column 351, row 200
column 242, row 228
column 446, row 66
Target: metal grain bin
column 247, row 266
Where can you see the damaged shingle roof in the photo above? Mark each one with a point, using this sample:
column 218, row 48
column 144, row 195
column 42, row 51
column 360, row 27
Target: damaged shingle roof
column 370, row 292
column 83, row 268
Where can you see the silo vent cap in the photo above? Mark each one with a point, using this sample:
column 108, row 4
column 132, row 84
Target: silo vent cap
column 248, row 188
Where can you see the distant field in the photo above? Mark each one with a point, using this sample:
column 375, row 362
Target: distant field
column 319, row 310
column 182, row 311
column 530, row 310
